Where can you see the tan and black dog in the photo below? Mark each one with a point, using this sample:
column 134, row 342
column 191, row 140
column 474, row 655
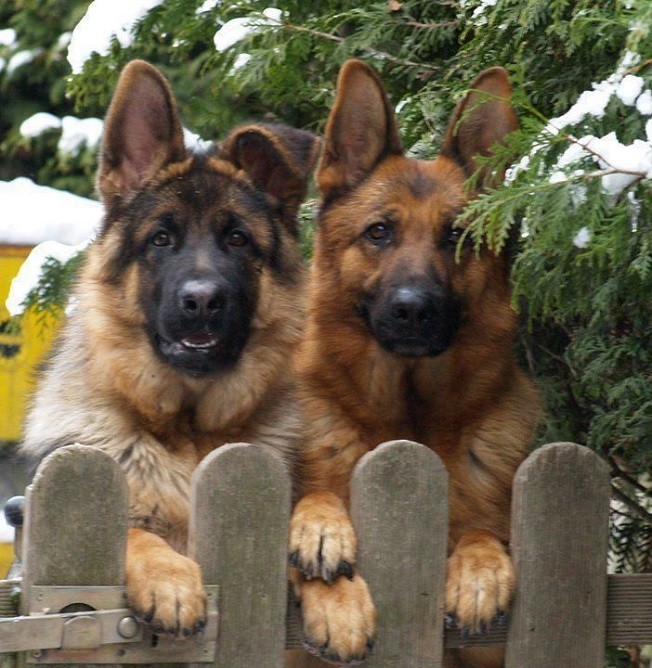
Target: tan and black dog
column 406, row 341
column 185, row 314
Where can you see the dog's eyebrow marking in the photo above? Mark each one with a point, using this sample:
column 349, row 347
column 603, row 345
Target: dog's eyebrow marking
column 421, row 185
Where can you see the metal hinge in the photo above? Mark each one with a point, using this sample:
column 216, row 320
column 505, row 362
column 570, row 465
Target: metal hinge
column 104, row 632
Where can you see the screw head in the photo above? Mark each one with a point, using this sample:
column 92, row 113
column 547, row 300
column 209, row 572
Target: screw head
column 127, row 627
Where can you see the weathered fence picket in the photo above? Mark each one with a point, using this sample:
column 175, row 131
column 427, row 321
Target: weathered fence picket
column 560, row 535
column 239, row 534
column 75, row 533
column 566, row 608
column 399, row 504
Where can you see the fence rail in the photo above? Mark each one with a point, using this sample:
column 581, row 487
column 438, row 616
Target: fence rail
column 565, row 610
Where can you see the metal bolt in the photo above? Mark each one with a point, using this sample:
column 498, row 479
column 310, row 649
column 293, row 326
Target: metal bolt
column 127, row 627
column 37, row 654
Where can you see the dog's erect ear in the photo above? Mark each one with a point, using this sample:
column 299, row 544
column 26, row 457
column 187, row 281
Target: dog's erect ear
column 142, row 131
column 278, row 159
column 484, row 117
column 361, row 130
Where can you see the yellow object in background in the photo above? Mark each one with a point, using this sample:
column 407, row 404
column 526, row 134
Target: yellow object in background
column 6, row 558
column 19, row 354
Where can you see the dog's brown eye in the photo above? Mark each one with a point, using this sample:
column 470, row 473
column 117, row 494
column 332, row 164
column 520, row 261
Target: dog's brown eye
column 378, row 232
column 236, row 238
column 161, row 238
column 454, row 235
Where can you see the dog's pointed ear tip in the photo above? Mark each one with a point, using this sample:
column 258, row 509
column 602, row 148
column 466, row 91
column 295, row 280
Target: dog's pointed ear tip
column 353, row 64
column 495, row 70
column 251, row 132
column 140, row 70
column 136, row 67
column 135, row 63
column 355, row 67
column 496, row 76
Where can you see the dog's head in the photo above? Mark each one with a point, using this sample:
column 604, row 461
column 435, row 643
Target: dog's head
column 195, row 240
column 387, row 237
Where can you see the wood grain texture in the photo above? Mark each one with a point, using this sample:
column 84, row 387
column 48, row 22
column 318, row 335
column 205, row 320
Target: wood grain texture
column 629, row 609
column 560, row 530
column 240, row 500
column 76, row 523
column 399, row 507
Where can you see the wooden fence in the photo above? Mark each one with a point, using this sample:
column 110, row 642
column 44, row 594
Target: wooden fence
column 565, row 611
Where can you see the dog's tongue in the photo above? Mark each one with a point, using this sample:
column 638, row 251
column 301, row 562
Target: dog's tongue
column 199, row 340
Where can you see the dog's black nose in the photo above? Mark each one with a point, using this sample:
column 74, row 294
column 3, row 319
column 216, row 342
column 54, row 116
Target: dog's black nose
column 413, row 305
column 202, row 297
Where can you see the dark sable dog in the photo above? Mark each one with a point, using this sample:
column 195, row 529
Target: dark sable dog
column 186, row 311
column 404, row 340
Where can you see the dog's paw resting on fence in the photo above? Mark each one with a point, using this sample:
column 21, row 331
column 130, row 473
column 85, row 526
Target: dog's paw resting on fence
column 480, row 581
column 339, row 616
column 339, row 619
column 164, row 588
column 322, row 538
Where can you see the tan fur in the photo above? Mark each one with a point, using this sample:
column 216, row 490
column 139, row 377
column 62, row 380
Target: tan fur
column 470, row 404
column 105, row 385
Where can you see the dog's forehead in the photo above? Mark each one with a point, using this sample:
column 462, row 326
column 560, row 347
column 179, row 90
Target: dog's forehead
column 420, row 186
column 207, row 183
column 199, row 176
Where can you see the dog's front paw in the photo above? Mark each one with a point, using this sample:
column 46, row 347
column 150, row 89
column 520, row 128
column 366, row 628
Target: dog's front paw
column 164, row 589
column 339, row 619
column 322, row 539
column 479, row 583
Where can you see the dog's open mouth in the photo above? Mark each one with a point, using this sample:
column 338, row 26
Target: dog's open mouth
column 200, row 342
column 198, row 352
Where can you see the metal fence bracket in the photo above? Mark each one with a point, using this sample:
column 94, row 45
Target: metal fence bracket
column 93, row 625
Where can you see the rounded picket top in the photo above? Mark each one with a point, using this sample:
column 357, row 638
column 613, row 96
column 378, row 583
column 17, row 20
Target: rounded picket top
column 562, row 459
column 239, row 474
column 399, row 507
column 233, row 486
column 239, row 518
column 76, row 519
column 559, row 543
column 418, row 466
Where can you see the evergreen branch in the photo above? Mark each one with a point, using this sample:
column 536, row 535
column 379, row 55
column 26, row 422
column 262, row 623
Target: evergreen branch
column 595, row 154
column 630, row 503
column 620, row 513
column 598, row 174
column 431, row 26
column 639, row 67
column 529, row 355
column 557, row 358
column 620, row 473
column 367, row 49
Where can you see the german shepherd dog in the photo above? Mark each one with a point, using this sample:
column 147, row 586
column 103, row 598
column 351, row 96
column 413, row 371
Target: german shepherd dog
column 186, row 311
column 404, row 340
